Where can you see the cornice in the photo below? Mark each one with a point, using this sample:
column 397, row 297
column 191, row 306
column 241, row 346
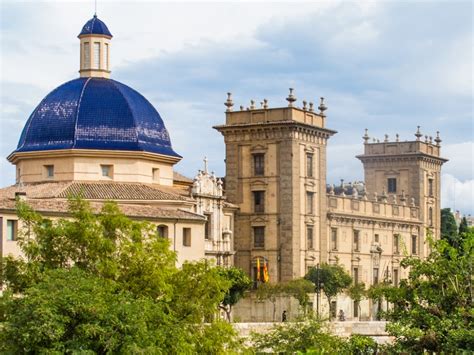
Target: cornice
column 402, row 157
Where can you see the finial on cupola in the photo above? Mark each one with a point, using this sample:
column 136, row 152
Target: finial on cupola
column 322, row 107
column 291, row 98
column 229, row 103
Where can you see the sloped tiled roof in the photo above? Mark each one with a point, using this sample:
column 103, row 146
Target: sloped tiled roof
column 181, row 178
column 95, row 191
column 146, row 211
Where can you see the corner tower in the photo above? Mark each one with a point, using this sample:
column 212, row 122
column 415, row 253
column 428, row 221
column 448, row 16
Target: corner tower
column 407, row 170
column 276, row 174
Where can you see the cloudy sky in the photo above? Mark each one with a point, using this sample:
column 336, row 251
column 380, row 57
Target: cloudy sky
column 386, row 66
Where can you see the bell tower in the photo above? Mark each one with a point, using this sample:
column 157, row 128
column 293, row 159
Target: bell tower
column 95, row 49
column 409, row 170
column 276, row 175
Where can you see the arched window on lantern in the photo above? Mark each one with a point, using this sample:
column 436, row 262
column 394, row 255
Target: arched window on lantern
column 260, row 273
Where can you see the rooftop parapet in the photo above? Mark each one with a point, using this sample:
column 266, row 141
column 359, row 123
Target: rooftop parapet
column 253, row 114
column 426, row 146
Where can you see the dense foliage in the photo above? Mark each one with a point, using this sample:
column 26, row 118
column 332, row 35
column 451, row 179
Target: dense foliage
column 239, row 283
column 433, row 309
column 449, row 230
column 331, row 279
column 101, row 282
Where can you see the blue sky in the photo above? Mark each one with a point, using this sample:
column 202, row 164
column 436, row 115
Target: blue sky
column 386, row 66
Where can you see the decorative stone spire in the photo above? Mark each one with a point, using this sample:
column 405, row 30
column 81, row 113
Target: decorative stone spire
column 394, row 199
column 252, row 104
column 426, row 139
column 229, row 103
column 355, row 193
column 311, row 107
column 365, row 193
column 386, row 138
column 431, row 140
column 265, row 104
column 322, row 107
column 304, row 105
column 331, row 189
column 437, row 139
column 412, row 202
column 397, row 137
column 291, row 98
column 403, row 198
column 366, row 136
column 418, row 134
column 205, row 164
column 241, row 107
column 384, row 196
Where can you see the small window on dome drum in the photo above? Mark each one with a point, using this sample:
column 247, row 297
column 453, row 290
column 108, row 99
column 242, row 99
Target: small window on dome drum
column 107, row 170
column 106, row 57
column 49, row 171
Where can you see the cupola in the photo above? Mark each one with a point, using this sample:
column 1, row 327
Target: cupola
column 95, row 49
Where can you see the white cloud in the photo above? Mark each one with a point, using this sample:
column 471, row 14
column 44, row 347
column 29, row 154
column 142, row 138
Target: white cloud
column 457, row 195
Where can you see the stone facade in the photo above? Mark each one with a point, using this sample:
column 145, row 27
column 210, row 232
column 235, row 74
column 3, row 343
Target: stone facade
column 290, row 218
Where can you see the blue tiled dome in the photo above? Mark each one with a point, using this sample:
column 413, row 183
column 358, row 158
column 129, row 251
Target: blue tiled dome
column 96, row 27
column 95, row 113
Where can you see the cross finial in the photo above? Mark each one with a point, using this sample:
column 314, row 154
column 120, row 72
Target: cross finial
column 205, row 164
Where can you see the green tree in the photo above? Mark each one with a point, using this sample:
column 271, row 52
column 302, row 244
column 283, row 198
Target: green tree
column 449, row 230
column 299, row 289
column 99, row 275
column 239, row 284
column 357, row 293
column 433, row 309
column 332, row 278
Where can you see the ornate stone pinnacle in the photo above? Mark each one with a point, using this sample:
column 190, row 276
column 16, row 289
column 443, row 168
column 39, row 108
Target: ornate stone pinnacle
column 252, row 104
column 437, row 139
column 304, row 105
column 322, row 107
column 397, row 137
column 366, row 136
column 291, row 98
column 241, row 107
column 386, row 138
column 229, row 103
column 311, row 107
column 418, row 134
column 426, row 139
column 431, row 140
column 265, row 104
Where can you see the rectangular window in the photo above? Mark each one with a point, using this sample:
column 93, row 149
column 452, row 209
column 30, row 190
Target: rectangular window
column 392, row 185
column 396, row 244
column 395, row 277
column 87, row 55
column 430, row 187
column 259, row 237
column 334, row 238
column 156, row 174
column 309, row 165
column 106, row 170
column 259, row 164
column 376, row 276
column 106, row 56
column 309, row 237
column 309, row 202
column 356, row 241
column 96, row 55
column 376, row 238
column 414, row 243
column 207, row 231
column 12, row 229
column 355, row 275
column 259, row 201
column 49, row 171
column 162, row 231
column 187, row 237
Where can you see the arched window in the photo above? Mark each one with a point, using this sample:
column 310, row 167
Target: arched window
column 430, row 216
column 162, row 231
column 260, row 273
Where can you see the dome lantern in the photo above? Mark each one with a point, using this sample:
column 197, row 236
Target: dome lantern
column 95, row 49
